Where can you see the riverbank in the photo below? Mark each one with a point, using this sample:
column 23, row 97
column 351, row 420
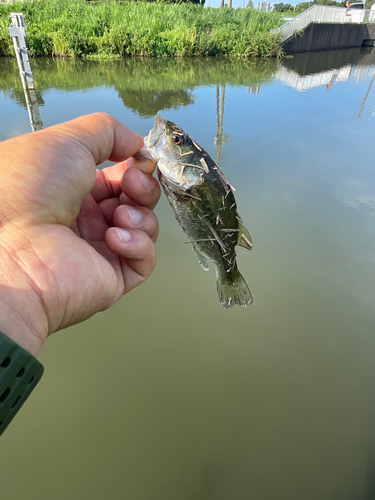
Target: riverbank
column 103, row 29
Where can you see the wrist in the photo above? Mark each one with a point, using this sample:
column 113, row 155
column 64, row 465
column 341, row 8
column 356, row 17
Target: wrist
column 19, row 328
column 22, row 316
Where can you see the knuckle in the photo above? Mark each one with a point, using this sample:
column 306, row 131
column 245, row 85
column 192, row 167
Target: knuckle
column 105, row 117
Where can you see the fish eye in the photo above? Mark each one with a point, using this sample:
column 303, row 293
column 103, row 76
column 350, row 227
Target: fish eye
column 177, row 139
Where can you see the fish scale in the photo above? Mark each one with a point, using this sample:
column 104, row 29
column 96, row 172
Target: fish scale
column 204, row 206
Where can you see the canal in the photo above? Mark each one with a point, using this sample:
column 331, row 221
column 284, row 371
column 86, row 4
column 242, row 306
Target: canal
column 169, row 397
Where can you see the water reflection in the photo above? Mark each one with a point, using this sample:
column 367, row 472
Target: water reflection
column 33, row 110
column 304, row 72
column 149, row 86
column 145, row 86
column 220, row 138
column 166, row 396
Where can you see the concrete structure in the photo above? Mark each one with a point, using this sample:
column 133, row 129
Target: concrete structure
column 330, row 36
column 265, row 6
column 322, row 27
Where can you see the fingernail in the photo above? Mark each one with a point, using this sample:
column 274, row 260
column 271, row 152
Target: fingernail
column 135, row 215
column 123, row 235
column 145, row 180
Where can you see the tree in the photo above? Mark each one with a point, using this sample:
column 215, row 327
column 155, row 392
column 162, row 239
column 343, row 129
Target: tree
column 284, row 7
column 331, row 3
column 300, row 7
column 250, row 4
column 278, row 7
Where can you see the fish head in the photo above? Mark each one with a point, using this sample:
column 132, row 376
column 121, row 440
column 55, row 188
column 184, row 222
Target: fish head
column 176, row 153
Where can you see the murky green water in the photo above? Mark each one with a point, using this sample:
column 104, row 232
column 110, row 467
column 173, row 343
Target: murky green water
column 168, row 397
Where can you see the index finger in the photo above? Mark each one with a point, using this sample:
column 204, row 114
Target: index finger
column 108, row 180
column 101, row 135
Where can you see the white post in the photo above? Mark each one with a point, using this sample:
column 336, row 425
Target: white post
column 17, row 32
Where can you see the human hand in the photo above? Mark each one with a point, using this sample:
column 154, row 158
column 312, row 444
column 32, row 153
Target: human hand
column 73, row 239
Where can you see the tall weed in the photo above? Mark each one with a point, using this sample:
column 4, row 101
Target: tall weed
column 78, row 28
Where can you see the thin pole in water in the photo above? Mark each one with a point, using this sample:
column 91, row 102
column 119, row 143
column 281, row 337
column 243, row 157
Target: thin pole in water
column 17, row 32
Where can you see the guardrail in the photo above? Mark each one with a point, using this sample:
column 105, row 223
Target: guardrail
column 323, row 14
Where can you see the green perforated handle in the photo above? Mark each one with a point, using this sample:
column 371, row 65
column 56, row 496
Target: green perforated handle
column 19, row 374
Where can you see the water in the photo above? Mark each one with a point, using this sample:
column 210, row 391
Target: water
column 169, row 397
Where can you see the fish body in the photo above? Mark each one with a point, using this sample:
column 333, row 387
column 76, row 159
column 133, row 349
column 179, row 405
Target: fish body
column 204, row 206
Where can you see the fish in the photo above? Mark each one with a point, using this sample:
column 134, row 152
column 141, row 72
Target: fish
column 204, row 206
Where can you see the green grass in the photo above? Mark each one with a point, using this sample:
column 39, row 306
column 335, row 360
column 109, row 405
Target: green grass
column 111, row 29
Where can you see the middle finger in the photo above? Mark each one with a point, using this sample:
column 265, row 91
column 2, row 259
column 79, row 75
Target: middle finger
column 139, row 189
column 130, row 217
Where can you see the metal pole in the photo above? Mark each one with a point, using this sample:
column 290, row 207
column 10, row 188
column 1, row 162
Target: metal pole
column 19, row 61
column 33, row 110
column 17, row 32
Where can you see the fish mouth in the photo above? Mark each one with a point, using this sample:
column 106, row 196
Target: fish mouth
column 166, row 181
column 154, row 135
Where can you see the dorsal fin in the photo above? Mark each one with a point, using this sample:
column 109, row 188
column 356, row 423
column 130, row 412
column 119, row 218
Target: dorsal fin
column 244, row 238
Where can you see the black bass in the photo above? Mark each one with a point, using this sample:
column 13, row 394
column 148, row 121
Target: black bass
column 204, row 206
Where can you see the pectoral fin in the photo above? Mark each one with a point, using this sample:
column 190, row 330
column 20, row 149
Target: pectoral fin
column 202, row 259
column 244, row 238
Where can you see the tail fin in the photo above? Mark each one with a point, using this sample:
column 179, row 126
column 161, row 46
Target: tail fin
column 233, row 292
